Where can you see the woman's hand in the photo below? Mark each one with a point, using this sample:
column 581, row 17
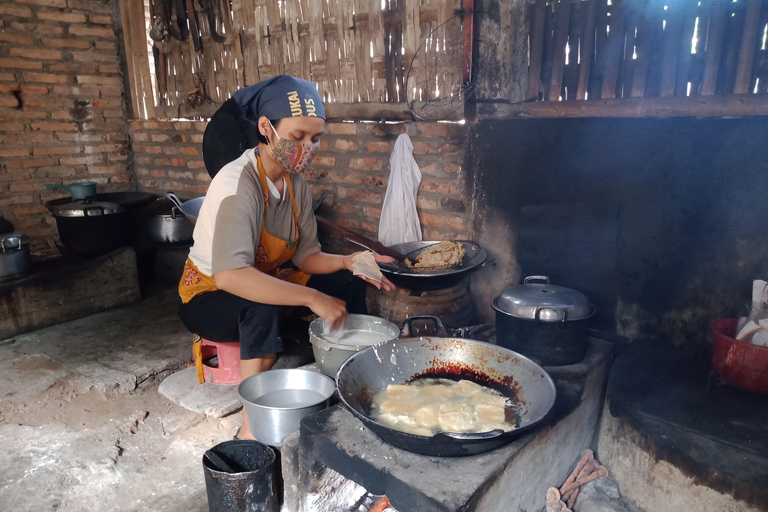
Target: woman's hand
column 385, row 283
column 330, row 309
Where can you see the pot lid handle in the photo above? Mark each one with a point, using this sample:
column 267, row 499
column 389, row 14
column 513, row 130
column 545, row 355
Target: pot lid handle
column 562, row 312
column 536, row 278
column 12, row 242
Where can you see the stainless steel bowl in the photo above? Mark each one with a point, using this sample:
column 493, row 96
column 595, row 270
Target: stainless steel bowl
column 277, row 400
column 357, row 335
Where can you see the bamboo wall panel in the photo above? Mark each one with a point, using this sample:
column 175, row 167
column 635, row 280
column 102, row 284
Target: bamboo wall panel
column 356, row 51
column 606, row 49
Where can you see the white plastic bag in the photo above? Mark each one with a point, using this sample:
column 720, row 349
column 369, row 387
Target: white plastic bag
column 399, row 219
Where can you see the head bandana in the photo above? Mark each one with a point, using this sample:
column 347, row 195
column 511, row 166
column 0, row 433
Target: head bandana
column 279, row 97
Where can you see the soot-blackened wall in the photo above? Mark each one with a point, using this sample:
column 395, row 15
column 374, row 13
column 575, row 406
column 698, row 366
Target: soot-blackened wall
column 662, row 222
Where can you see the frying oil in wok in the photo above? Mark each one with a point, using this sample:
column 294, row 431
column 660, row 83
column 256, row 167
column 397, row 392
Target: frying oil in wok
column 429, row 406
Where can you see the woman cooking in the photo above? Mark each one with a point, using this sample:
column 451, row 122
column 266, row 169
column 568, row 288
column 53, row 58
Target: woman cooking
column 256, row 218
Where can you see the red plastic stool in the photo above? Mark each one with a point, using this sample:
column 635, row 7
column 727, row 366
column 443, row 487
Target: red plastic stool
column 227, row 370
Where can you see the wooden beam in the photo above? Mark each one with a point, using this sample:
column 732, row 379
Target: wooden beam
column 336, row 111
column 558, row 59
column 748, row 47
column 714, row 46
column 744, row 105
column 135, row 40
column 613, row 52
column 644, row 46
column 537, row 49
column 671, row 41
column 587, row 49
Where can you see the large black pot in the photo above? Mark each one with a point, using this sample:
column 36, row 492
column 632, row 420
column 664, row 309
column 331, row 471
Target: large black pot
column 547, row 323
column 91, row 228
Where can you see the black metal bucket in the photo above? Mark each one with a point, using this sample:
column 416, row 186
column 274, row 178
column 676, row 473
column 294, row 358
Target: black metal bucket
column 249, row 481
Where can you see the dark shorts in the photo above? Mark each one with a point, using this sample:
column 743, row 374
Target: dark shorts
column 221, row 316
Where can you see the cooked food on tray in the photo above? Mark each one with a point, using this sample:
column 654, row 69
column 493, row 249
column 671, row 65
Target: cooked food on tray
column 440, row 256
column 429, row 406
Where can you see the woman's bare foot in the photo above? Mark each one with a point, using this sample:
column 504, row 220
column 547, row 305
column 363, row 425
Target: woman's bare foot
column 244, row 432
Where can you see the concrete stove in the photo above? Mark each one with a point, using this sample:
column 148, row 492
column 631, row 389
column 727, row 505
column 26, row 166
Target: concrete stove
column 334, row 460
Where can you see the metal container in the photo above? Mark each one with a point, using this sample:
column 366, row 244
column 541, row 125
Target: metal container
column 403, row 276
column 545, row 322
column 248, row 480
column 166, row 224
column 525, row 383
column 91, row 228
column 191, row 208
column 331, row 349
column 15, row 258
column 277, row 400
column 78, row 191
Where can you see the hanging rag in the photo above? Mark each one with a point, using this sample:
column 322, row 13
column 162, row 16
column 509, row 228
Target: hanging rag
column 399, row 218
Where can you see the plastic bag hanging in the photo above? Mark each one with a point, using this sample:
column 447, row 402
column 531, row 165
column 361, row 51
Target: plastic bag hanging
column 399, row 218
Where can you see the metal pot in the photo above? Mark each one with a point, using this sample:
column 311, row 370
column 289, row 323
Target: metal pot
column 277, row 400
column 191, row 208
column 15, row 258
column 166, row 224
column 545, row 322
column 331, row 349
column 91, row 228
column 374, row 368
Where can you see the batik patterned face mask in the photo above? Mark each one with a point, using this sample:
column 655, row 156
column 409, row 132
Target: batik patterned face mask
column 292, row 156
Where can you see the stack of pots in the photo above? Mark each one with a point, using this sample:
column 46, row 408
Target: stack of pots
column 542, row 321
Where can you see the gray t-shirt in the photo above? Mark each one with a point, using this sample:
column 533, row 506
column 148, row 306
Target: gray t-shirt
column 227, row 232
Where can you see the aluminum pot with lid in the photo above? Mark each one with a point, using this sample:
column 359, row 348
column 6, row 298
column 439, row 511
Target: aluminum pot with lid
column 15, row 258
column 545, row 322
column 90, row 228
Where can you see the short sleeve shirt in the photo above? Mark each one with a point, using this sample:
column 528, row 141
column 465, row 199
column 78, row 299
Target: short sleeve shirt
column 227, row 231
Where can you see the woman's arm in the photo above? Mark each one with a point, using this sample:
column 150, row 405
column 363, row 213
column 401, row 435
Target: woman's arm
column 256, row 286
column 324, row 263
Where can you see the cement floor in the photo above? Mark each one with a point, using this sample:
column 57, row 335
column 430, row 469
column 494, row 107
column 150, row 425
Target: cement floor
column 82, row 426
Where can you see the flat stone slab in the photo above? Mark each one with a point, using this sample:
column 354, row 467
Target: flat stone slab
column 213, row 400
column 60, row 291
column 55, row 467
column 112, row 352
column 714, row 432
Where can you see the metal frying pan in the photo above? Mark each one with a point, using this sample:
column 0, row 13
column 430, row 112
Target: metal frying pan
column 474, row 257
column 400, row 361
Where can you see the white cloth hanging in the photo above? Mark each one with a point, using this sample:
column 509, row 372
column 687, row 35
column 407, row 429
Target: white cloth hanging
column 399, row 219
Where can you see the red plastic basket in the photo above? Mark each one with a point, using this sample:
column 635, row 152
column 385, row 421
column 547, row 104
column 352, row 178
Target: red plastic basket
column 738, row 362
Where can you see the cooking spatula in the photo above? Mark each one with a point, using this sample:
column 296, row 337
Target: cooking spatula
column 358, row 239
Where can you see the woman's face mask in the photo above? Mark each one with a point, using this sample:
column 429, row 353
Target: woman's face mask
column 292, row 156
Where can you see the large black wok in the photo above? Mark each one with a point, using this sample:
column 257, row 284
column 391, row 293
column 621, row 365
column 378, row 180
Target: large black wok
column 400, row 361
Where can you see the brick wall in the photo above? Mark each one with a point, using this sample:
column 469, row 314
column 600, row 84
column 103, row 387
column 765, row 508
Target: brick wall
column 353, row 165
column 61, row 56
